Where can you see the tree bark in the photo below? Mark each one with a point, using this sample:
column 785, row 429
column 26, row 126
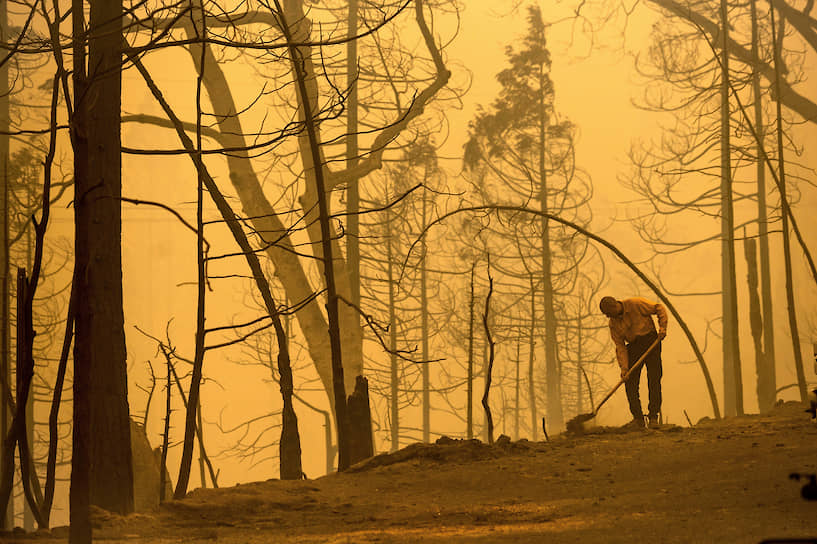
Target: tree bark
column 424, row 331
column 102, row 472
column 54, row 412
column 394, row 406
column 469, row 414
column 193, row 398
column 579, row 363
column 765, row 360
column 18, row 435
column 755, row 320
column 517, row 389
column 352, row 152
column 6, row 516
column 165, row 432
column 25, row 375
column 534, row 430
column 790, row 300
column 360, row 434
column 99, row 218
column 552, row 374
column 489, row 420
column 200, row 436
column 732, row 376
column 80, row 490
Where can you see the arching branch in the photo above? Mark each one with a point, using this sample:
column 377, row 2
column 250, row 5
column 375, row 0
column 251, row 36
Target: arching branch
column 617, row 252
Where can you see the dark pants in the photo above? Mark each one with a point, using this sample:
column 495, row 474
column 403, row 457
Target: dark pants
column 654, row 371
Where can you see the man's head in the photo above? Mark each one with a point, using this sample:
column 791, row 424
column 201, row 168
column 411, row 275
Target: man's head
column 611, row 307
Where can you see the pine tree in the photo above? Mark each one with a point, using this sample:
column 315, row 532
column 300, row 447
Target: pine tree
column 529, row 153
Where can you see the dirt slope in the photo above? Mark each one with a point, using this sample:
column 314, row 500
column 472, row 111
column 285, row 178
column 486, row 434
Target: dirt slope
column 720, row 481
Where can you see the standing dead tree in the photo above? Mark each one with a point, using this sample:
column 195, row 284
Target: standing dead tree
column 277, row 242
column 290, row 441
column 519, row 150
column 490, row 369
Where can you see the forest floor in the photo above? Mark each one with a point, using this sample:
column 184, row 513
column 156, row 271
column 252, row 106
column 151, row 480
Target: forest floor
column 719, row 481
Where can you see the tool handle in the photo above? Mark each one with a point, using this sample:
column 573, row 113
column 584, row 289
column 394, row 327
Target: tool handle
column 632, row 368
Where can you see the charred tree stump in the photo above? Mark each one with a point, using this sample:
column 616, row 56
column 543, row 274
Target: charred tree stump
column 360, row 422
column 290, row 442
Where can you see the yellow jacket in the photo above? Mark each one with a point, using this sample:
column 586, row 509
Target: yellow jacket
column 636, row 320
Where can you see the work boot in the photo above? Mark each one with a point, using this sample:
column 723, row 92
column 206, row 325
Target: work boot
column 636, row 423
column 654, row 422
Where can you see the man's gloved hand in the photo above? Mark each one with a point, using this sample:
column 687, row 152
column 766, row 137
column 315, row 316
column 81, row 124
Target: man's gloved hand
column 624, row 371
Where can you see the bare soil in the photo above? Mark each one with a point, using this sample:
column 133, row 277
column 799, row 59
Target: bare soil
column 719, row 481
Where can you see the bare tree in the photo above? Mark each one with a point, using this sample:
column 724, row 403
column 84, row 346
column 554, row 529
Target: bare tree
column 732, row 368
column 489, row 370
column 676, row 175
column 529, row 156
column 101, row 467
column 275, row 238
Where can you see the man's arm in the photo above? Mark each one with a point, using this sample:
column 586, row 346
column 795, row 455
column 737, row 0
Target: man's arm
column 661, row 312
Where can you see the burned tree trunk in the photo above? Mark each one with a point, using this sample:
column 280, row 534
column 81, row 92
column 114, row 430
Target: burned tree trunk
column 766, row 376
column 102, row 472
column 755, row 319
column 489, row 420
column 732, row 379
column 290, row 438
column 787, row 261
column 360, row 422
column 7, row 514
column 469, row 419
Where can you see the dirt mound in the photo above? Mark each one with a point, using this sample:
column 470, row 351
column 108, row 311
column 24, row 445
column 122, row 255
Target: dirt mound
column 447, row 450
column 782, row 413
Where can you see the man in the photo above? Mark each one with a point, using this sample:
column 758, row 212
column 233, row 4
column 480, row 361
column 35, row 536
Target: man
column 633, row 331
